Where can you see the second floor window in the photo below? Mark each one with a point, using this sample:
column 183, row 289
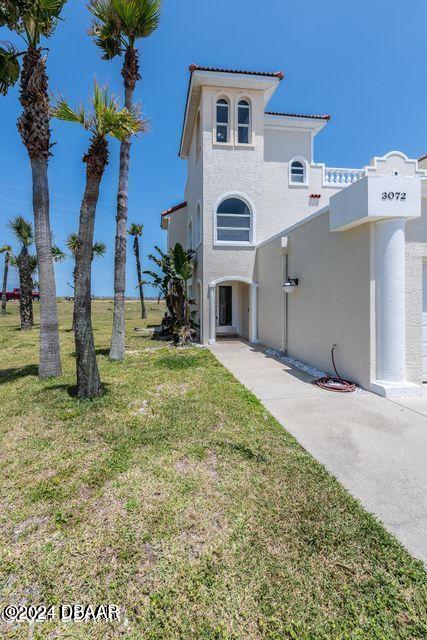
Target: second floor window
column 243, row 122
column 198, row 226
column 233, row 221
column 190, row 235
column 297, row 172
column 222, row 120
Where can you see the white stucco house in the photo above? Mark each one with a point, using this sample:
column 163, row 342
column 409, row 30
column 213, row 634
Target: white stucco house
column 293, row 254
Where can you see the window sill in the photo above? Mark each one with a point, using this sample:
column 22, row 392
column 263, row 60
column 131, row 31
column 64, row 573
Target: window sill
column 244, row 145
column 298, row 185
column 233, row 243
column 223, row 145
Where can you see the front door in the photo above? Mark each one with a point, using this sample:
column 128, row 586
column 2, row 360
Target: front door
column 225, row 306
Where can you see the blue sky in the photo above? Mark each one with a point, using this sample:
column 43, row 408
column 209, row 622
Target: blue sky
column 361, row 62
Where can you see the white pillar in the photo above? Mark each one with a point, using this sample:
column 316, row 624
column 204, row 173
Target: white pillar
column 253, row 314
column 212, row 313
column 390, row 309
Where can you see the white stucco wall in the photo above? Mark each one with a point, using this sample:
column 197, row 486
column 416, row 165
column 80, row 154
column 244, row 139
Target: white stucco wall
column 332, row 302
column 269, row 273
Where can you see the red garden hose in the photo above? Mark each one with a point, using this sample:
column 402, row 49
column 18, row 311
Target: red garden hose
column 335, row 384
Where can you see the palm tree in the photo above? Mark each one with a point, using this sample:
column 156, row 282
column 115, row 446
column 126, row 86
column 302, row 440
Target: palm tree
column 23, row 232
column 136, row 231
column 6, row 249
column 117, row 25
column 98, row 250
column 33, row 21
column 105, row 119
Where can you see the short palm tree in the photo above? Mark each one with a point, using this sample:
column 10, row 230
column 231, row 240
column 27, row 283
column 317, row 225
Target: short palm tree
column 98, row 250
column 117, row 26
column 135, row 230
column 6, row 249
column 33, row 21
column 23, row 231
column 105, row 119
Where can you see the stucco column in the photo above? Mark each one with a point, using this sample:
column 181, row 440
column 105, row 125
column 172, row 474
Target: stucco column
column 253, row 313
column 390, row 306
column 212, row 317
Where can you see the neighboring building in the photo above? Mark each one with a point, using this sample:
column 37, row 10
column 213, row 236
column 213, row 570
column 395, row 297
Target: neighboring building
column 258, row 211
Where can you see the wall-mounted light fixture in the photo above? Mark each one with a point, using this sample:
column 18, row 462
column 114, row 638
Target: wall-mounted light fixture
column 290, row 285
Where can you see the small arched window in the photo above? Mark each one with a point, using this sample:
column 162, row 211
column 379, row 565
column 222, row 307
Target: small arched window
column 222, row 120
column 190, row 235
column 243, row 122
column 298, row 172
column 198, row 226
column 233, row 221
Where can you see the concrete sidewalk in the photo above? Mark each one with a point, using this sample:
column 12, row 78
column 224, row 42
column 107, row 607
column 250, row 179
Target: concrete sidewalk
column 376, row 448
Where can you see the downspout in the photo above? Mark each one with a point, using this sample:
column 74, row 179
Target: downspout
column 284, row 246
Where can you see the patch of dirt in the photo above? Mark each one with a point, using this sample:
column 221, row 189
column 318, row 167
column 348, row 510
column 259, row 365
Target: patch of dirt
column 171, row 389
column 207, row 465
column 30, row 524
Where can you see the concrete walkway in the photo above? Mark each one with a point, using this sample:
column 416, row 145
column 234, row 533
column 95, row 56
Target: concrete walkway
column 375, row 447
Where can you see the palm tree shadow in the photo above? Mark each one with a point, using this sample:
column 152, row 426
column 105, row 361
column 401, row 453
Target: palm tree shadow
column 71, row 389
column 9, row 375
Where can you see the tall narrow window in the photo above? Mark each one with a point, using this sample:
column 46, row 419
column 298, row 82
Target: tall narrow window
column 244, row 122
column 222, row 120
column 198, row 226
column 190, row 235
column 233, row 221
column 297, row 171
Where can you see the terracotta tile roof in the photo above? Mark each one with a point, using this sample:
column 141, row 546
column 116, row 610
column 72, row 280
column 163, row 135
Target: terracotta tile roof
column 269, row 74
column 422, row 158
column 176, row 207
column 298, row 115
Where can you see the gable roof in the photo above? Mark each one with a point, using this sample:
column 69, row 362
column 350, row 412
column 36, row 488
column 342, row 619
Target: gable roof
column 267, row 74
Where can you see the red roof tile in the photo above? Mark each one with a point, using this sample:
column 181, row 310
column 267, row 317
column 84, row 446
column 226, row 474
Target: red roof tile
column 176, row 207
column 298, row 115
column 270, row 74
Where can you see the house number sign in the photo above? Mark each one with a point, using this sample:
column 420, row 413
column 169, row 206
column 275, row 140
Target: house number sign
column 393, row 195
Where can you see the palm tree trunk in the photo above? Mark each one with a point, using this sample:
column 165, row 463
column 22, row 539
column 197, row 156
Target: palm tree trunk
column 50, row 355
column 139, row 274
column 25, row 290
column 117, row 351
column 4, row 289
column 88, row 379
column 33, row 126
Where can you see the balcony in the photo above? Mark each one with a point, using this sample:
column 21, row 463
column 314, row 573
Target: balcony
column 341, row 177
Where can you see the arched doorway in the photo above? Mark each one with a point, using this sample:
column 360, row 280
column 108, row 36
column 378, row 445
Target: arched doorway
column 233, row 308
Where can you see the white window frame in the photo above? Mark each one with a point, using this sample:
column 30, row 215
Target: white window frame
column 237, row 243
column 248, row 126
column 216, row 123
column 198, row 226
column 190, row 245
column 198, row 134
column 304, row 163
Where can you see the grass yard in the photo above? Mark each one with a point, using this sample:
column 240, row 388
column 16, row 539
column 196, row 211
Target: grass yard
column 179, row 498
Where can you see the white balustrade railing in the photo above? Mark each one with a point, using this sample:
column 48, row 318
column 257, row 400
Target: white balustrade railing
column 342, row 176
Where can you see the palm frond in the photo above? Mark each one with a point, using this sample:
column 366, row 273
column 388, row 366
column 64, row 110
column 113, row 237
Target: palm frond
column 135, row 229
column 62, row 111
column 23, row 230
column 99, row 249
column 139, row 17
column 72, row 242
column 9, row 67
column 6, row 248
column 57, row 254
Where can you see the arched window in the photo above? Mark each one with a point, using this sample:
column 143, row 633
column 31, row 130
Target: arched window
column 222, row 120
column 233, row 221
column 298, row 174
column 243, row 122
column 198, row 226
column 190, row 235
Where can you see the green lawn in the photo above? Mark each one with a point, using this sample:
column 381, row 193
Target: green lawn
column 178, row 497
